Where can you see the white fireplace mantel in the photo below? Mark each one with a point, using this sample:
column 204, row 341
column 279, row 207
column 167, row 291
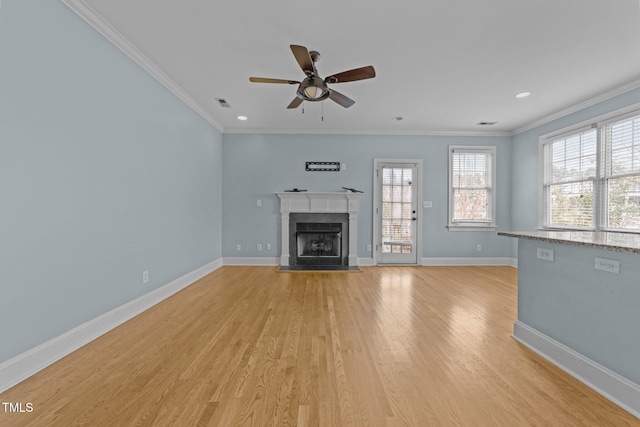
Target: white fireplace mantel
column 320, row 202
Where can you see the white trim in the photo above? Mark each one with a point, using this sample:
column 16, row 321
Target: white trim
column 541, row 166
column 251, row 261
column 472, row 225
column 455, row 227
column 592, row 122
column 92, row 17
column 366, row 262
column 596, row 124
column 31, row 361
column 369, row 262
column 469, row 261
column 581, row 106
column 611, row 385
column 269, row 131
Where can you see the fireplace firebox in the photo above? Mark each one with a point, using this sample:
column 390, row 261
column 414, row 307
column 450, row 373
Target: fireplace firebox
column 319, row 239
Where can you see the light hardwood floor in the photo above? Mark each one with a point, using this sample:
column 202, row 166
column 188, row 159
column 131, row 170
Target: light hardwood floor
column 249, row 346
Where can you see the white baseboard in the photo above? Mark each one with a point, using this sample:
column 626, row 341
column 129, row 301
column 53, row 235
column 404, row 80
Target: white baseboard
column 368, row 262
column 434, row 261
column 251, row 261
column 614, row 387
column 31, row 361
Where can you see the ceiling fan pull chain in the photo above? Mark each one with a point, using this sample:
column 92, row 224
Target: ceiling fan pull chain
column 322, row 116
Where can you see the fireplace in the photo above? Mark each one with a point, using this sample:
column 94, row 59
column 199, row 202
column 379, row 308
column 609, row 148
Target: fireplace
column 319, row 239
column 328, row 217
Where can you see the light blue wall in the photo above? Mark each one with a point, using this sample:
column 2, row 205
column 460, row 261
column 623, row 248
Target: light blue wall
column 103, row 174
column 593, row 312
column 256, row 166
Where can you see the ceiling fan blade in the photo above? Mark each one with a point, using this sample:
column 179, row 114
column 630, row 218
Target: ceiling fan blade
column 295, row 103
column 267, row 80
column 341, row 99
column 304, row 59
column 352, row 75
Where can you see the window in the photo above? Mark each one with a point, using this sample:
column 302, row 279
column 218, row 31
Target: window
column 621, row 175
column 591, row 177
column 472, row 188
column 569, row 177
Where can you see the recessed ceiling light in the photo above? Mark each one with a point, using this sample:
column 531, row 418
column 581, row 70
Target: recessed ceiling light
column 487, row 123
column 242, row 118
column 523, row 94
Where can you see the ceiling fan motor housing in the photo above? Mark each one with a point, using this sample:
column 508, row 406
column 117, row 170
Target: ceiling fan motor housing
column 313, row 89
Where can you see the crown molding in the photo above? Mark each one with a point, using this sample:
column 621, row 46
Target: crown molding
column 581, row 106
column 268, row 131
column 88, row 14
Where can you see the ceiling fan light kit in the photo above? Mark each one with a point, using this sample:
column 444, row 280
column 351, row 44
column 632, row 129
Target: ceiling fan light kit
column 313, row 88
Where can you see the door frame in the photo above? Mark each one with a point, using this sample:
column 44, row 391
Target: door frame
column 377, row 223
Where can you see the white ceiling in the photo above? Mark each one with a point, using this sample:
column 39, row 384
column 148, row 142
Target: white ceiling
column 442, row 65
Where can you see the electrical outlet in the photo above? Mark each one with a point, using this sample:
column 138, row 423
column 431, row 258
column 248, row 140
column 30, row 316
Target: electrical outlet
column 259, row 247
column 259, row 203
column 238, row 247
column 608, row 265
column 369, row 248
column 268, row 246
column 545, row 254
column 478, row 247
column 145, row 277
column 427, row 204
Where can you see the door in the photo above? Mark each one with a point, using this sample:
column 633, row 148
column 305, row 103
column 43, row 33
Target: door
column 397, row 213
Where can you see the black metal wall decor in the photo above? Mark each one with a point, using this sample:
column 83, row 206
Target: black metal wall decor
column 322, row 166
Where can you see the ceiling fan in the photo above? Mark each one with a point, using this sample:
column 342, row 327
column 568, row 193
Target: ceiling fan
column 314, row 88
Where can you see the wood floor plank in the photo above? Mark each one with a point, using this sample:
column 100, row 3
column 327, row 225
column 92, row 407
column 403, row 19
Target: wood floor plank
column 250, row 346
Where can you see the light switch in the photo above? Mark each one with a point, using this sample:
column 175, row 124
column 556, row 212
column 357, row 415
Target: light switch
column 427, row 204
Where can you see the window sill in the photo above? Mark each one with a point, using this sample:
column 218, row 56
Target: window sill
column 454, row 227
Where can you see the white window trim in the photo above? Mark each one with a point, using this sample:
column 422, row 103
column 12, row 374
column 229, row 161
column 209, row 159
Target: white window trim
column 472, row 225
column 597, row 122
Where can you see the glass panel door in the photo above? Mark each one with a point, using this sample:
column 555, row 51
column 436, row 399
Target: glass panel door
column 398, row 213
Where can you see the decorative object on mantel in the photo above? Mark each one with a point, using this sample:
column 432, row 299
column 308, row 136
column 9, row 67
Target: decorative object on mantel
column 353, row 190
column 295, row 190
column 322, row 166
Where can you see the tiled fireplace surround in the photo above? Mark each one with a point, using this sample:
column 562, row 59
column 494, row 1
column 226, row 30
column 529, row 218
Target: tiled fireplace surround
column 322, row 203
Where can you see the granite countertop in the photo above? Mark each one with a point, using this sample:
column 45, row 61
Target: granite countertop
column 619, row 242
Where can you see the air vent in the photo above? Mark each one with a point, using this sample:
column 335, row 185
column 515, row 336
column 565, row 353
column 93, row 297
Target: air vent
column 223, row 103
column 487, row 123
